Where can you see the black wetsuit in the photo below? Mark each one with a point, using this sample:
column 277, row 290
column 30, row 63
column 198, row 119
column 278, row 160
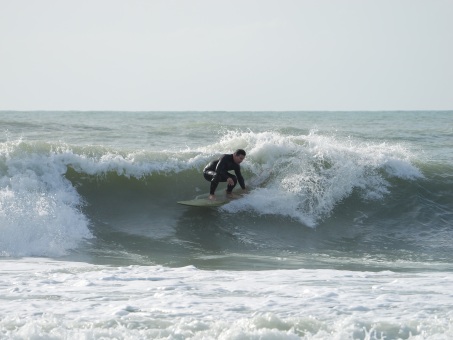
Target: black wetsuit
column 217, row 171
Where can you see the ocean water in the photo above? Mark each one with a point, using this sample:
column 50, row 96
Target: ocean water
column 346, row 233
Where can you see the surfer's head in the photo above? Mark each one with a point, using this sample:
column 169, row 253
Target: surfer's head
column 239, row 156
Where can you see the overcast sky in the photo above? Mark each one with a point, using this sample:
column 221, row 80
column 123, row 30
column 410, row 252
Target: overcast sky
column 226, row 55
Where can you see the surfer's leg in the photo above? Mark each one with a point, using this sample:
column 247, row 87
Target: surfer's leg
column 209, row 175
column 212, row 177
column 215, row 178
column 231, row 187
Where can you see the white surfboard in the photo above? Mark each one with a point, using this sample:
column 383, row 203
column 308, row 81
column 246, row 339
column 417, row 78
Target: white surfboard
column 204, row 201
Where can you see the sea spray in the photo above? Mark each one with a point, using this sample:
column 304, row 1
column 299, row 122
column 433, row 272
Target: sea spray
column 39, row 209
column 306, row 176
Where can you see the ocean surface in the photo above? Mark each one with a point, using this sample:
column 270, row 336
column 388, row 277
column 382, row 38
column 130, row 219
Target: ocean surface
column 346, row 233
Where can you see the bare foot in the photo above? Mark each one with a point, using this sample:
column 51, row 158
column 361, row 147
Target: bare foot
column 212, row 197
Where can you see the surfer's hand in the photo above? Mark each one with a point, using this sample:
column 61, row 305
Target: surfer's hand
column 230, row 181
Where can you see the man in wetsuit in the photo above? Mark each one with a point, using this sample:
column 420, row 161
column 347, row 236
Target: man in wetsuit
column 217, row 171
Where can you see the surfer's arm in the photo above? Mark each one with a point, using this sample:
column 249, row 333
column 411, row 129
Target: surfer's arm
column 240, row 178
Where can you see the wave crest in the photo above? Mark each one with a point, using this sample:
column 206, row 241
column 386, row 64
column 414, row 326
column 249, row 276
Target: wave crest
column 305, row 177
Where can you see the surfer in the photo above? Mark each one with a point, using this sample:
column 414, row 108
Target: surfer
column 217, row 171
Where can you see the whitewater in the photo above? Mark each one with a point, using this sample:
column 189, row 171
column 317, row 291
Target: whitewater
column 346, row 232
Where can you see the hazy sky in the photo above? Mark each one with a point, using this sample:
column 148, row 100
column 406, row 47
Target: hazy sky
column 226, row 55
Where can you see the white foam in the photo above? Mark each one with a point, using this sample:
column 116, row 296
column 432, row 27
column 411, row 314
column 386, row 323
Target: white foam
column 305, row 177
column 39, row 209
column 48, row 299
